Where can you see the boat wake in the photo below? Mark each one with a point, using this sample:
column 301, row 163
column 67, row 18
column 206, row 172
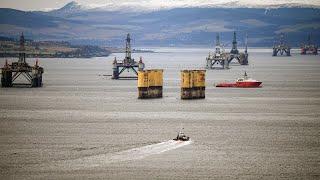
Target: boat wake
column 127, row 155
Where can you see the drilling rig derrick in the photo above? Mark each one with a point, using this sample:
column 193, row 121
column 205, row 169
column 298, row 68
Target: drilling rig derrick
column 219, row 57
column 281, row 47
column 128, row 63
column 242, row 58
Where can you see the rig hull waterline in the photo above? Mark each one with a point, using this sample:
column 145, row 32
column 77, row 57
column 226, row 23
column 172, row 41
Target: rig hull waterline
column 193, row 84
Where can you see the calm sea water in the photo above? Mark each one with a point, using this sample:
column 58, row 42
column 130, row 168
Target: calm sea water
column 81, row 118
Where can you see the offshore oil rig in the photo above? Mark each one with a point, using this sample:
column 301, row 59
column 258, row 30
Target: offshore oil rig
column 128, row 63
column 10, row 72
column 242, row 58
column 281, row 47
column 219, row 57
column 309, row 48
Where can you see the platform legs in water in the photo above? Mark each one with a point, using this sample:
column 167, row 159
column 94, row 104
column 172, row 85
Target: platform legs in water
column 193, row 93
column 6, row 78
column 150, row 92
column 34, row 78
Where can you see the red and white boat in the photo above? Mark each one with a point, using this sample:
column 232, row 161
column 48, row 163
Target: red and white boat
column 244, row 82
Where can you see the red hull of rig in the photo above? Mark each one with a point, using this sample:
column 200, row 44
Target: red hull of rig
column 309, row 51
column 309, row 47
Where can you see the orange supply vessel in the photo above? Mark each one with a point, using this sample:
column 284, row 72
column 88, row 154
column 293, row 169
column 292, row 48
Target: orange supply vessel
column 244, row 82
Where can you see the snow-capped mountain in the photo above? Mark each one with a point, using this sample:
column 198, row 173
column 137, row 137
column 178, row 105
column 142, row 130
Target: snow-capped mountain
column 71, row 7
column 86, row 23
column 155, row 5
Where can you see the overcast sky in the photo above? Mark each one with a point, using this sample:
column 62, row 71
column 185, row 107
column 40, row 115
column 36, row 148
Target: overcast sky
column 52, row 4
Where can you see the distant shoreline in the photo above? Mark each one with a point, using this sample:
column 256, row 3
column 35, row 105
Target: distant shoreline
column 58, row 49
